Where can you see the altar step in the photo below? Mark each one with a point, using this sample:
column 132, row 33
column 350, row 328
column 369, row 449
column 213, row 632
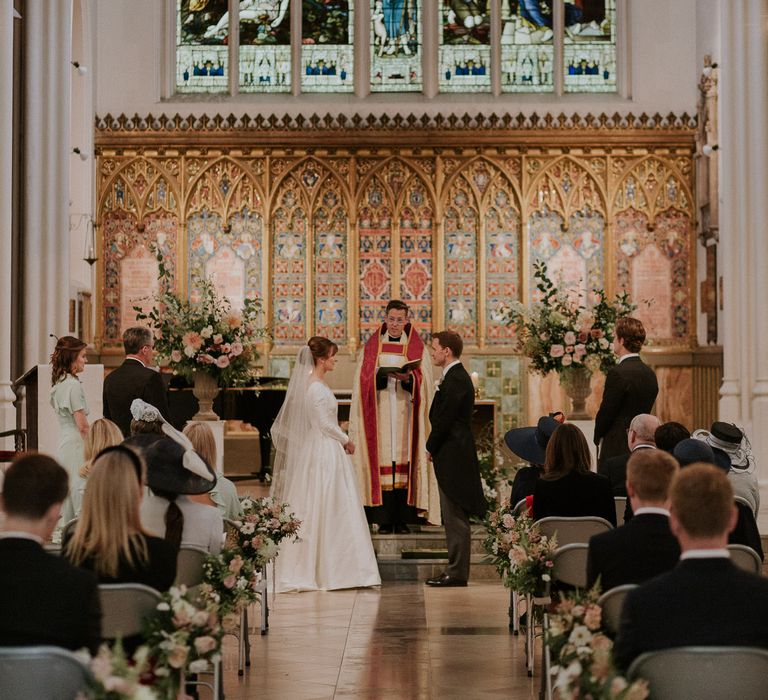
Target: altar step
column 421, row 554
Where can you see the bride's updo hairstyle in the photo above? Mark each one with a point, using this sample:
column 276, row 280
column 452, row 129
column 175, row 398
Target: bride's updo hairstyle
column 322, row 347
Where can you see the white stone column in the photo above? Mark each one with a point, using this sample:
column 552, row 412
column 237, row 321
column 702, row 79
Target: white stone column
column 47, row 150
column 744, row 218
column 7, row 412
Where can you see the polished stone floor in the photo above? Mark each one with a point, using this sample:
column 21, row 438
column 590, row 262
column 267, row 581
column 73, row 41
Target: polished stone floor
column 403, row 641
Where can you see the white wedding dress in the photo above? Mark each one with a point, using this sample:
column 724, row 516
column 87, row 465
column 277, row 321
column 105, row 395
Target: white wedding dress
column 335, row 549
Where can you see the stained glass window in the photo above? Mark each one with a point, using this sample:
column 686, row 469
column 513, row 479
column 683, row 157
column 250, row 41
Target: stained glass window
column 202, row 58
column 265, row 46
column 327, row 53
column 465, row 46
column 527, row 46
column 396, row 46
column 589, row 51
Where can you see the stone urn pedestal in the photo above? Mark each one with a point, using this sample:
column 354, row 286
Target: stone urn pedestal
column 575, row 382
column 205, row 389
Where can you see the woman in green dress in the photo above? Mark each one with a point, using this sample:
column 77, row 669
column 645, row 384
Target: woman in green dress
column 68, row 401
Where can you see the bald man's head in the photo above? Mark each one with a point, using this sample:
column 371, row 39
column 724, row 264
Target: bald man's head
column 642, row 430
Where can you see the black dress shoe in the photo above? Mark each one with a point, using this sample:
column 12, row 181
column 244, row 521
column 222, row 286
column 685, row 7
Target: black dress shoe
column 445, row 581
column 402, row 530
column 385, row 529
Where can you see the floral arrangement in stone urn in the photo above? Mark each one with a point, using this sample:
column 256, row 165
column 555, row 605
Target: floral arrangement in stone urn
column 559, row 334
column 206, row 341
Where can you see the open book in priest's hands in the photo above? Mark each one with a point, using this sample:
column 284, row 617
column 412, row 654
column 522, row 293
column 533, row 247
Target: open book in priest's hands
column 402, row 369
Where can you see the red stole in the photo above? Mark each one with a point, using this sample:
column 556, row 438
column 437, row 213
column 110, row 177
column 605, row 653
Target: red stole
column 414, row 350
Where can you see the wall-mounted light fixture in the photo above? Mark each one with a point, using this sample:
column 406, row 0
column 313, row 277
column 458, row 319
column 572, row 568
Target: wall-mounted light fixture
column 708, row 68
column 81, row 69
column 84, row 155
column 709, row 149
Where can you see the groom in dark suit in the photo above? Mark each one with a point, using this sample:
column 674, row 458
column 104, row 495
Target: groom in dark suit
column 630, row 389
column 134, row 379
column 451, row 448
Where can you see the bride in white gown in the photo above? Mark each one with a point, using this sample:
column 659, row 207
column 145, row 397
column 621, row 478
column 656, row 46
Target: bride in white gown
column 313, row 473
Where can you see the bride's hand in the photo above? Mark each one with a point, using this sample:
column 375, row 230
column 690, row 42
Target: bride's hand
column 349, row 448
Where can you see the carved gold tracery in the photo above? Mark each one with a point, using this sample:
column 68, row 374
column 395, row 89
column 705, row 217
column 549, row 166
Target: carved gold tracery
column 329, row 221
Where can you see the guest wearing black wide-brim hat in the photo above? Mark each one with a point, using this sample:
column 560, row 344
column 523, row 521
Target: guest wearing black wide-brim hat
column 530, row 444
column 174, row 471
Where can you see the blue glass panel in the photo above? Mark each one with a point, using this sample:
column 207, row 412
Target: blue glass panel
column 527, row 46
column 465, row 46
column 589, row 50
column 396, row 46
column 327, row 54
column 202, row 57
column 265, row 46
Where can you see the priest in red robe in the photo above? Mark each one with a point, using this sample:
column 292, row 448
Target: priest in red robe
column 389, row 425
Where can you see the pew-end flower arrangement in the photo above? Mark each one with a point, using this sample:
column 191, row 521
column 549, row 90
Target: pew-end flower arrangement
column 582, row 655
column 265, row 523
column 559, row 334
column 184, row 637
column 229, row 583
column 520, row 553
column 207, row 335
column 115, row 676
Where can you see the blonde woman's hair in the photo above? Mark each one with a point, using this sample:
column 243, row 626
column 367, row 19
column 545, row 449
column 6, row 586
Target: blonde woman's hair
column 201, row 437
column 109, row 528
column 103, row 433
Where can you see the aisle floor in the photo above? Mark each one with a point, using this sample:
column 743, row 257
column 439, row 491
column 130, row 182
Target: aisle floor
column 404, row 640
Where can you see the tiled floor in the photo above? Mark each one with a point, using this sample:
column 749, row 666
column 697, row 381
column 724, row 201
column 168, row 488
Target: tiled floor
column 404, row 641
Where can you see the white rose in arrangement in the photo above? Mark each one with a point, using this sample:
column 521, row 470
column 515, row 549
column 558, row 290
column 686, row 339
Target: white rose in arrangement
column 207, row 332
column 580, row 636
column 199, row 666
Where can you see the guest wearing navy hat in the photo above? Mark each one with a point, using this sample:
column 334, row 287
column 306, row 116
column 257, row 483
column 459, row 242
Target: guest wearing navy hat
column 530, row 444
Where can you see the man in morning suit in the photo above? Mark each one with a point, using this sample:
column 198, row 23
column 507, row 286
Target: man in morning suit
column 640, row 436
column 705, row 600
column 134, row 379
column 645, row 546
column 451, row 447
column 45, row 600
column 630, row 389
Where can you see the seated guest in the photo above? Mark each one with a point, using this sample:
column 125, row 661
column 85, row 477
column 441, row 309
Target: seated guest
column 667, row 435
column 45, row 600
column 224, row 494
column 731, row 440
column 705, row 600
column 568, row 488
column 746, row 532
column 530, row 444
column 103, row 433
column 645, row 546
column 108, row 538
column 175, row 471
column 640, row 435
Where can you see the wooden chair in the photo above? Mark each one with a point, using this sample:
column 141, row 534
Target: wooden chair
column 611, row 602
column 704, row 673
column 41, row 673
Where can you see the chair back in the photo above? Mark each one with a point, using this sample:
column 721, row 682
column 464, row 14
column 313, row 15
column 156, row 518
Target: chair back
column 231, row 532
column 68, row 530
column 520, row 507
column 743, row 501
column 704, row 673
column 573, row 530
column 621, row 507
column 611, row 602
column 569, row 564
column 189, row 565
column 41, row 673
column 123, row 608
column 745, row 558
